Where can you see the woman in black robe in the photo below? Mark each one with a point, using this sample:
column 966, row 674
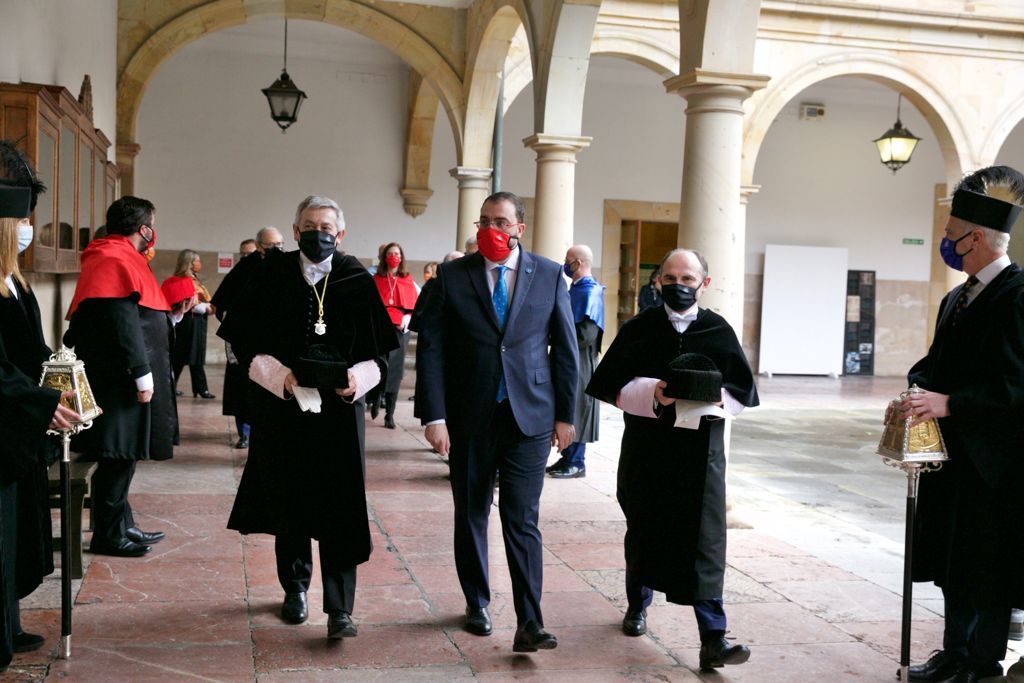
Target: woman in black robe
column 27, row 410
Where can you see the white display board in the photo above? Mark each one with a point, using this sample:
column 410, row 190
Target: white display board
column 803, row 310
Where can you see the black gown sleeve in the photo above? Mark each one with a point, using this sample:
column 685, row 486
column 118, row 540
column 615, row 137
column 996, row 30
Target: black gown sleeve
column 587, row 333
column 114, row 326
column 26, row 410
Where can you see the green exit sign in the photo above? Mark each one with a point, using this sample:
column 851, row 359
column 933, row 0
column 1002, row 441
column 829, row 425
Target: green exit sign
column 913, row 240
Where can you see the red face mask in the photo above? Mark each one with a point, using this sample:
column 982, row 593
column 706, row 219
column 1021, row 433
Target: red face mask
column 494, row 244
column 393, row 260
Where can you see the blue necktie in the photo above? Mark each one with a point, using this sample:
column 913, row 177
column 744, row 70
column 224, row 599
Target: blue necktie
column 500, row 301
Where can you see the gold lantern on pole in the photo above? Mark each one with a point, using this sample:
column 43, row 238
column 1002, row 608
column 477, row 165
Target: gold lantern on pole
column 65, row 373
column 913, row 449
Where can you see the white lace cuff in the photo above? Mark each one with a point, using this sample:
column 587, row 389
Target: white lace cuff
column 637, row 397
column 269, row 373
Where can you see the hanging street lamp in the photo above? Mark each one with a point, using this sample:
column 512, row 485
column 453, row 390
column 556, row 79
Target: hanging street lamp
column 897, row 144
column 283, row 96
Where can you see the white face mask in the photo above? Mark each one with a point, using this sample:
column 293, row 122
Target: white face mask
column 24, row 237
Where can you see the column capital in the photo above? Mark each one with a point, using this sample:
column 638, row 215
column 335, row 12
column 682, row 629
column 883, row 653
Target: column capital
column 127, row 150
column 471, row 178
column 414, row 199
column 544, row 144
column 700, row 80
column 746, row 191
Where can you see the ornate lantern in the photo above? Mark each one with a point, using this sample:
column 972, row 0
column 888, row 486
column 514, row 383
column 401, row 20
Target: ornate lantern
column 64, row 372
column 896, row 145
column 914, row 450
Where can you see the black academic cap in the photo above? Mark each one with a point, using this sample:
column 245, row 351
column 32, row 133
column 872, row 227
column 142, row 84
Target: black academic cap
column 990, row 197
column 694, row 377
column 19, row 187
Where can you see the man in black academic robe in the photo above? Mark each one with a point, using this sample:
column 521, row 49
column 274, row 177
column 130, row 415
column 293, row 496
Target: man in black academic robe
column 121, row 327
column 967, row 537
column 304, row 476
column 671, row 481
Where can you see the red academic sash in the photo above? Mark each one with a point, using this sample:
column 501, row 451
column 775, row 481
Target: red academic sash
column 178, row 288
column 398, row 294
column 113, row 269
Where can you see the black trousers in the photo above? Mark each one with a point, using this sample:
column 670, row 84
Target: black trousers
column 198, row 375
column 111, row 513
column 295, row 569
column 475, row 461
column 9, row 614
column 975, row 631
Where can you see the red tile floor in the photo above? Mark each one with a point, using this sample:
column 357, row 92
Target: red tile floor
column 204, row 604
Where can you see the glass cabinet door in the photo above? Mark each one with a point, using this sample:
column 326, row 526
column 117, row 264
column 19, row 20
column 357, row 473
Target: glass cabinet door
column 45, row 169
column 66, row 188
column 85, row 224
column 99, row 182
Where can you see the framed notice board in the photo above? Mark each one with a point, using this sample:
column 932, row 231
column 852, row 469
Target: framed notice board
column 859, row 337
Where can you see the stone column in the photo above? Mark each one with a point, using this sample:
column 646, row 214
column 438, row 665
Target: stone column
column 554, row 200
column 474, row 187
column 748, row 341
column 710, row 214
column 943, row 278
column 125, row 155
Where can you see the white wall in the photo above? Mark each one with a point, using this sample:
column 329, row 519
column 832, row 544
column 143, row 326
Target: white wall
column 58, row 42
column 822, row 183
column 218, row 168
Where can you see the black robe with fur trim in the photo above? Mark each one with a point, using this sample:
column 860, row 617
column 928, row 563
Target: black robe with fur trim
column 671, row 482
column 304, row 475
column 967, row 525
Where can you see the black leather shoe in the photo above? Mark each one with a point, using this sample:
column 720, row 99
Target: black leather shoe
column 558, row 465
column 635, row 622
column 531, row 637
column 126, row 548
column 966, row 674
column 137, row 535
column 717, row 652
column 204, row 394
column 339, row 625
column 940, row 666
column 242, row 442
column 478, row 621
column 179, row 393
column 568, row 471
column 389, row 421
column 27, row 642
column 294, row 609
column 374, row 409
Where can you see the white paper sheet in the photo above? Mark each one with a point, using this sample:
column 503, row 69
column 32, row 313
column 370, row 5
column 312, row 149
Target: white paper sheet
column 688, row 413
column 309, row 399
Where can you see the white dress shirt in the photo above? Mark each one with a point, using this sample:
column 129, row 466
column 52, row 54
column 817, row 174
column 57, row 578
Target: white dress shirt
column 314, row 272
column 512, row 265
column 987, row 275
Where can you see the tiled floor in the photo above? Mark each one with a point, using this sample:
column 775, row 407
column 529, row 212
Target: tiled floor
column 815, row 560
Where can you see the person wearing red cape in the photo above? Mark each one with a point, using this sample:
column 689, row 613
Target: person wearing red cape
column 399, row 292
column 121, row 327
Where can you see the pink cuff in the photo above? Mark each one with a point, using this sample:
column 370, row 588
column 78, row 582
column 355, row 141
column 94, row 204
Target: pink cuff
column 269, row 373
column 731, row 405
column 637, row 397
column 367, row 375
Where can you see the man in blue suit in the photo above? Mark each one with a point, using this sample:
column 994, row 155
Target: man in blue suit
column 496, row 380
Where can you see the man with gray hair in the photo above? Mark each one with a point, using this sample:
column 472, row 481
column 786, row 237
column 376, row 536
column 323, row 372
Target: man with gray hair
column 269, row 238
column 313, row 333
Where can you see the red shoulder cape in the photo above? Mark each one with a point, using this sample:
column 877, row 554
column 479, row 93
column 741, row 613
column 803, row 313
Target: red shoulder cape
column 113, row 269
column 404, row 295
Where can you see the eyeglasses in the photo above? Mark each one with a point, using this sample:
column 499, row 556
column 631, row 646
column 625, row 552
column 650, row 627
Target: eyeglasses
column 500, row 224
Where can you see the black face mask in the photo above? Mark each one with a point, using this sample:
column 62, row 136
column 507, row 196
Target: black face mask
column 679, row 297
column 316, row 245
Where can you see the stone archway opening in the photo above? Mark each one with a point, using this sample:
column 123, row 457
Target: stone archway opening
column 1011, row 153
column 821, row 183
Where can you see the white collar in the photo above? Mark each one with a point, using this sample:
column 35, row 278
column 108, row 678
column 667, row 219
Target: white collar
column 322, row 267
column 512, row 262
column 989, row 272
column 689, row 315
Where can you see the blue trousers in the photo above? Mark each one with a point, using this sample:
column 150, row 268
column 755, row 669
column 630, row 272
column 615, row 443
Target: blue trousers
column 710, row 614
column 574, row 453
column 241, row 427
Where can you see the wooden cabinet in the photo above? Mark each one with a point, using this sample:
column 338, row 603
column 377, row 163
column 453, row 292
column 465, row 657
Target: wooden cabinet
column 70, row 157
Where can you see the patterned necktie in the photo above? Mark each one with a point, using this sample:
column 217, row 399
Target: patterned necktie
column 961, row 300
column 500, row 300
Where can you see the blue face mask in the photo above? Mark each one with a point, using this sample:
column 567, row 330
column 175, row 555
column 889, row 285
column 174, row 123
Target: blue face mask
column 567, row 268
column 947, row 250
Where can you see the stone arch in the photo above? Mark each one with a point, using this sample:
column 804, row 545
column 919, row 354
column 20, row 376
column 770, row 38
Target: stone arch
column 659, row 58
column 483, row 78
column 1000, row 132
column 220, row 14
column 940, row 114
column 718, row 35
